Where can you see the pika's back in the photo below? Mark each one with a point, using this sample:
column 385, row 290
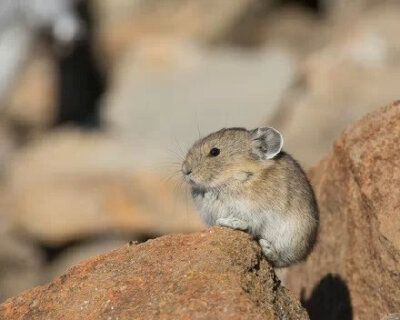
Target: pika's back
column 284, row 184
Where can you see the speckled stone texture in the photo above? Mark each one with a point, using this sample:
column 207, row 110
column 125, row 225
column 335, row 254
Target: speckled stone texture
column 354, row 270
column 216, row 274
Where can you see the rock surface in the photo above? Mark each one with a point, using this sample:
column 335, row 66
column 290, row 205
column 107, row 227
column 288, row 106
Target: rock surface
column 32, row 100
column 215, row 274
column 7, row 147
column 71, row 185
column 126, row 22
column 20, row 261
column 354, row 73
column 338, row 9
column 241, row 87
column 354, row 268
column 80, row 252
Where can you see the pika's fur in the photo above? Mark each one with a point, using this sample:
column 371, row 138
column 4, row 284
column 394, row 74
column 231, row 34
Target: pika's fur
column 243, row 180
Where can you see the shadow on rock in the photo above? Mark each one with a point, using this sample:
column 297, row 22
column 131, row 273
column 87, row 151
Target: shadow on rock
column 329, row 300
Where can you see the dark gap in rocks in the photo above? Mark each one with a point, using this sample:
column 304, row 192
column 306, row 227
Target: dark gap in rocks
column 315, row 6
column 329, row 300
column 51, row 252
column 256, row 267
column 277, row 283
column 80, row 81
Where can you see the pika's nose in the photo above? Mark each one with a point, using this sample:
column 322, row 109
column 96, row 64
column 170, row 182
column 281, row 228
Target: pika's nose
column 186, row 168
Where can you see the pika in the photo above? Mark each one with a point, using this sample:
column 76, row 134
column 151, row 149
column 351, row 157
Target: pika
column 242, row 179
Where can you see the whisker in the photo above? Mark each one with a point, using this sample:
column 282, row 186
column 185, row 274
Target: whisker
column 180, row 148
column 197, row 124
column 180, row 156
column 186, row 200
column 177, row 193
column 172, row 175
column 175, row 200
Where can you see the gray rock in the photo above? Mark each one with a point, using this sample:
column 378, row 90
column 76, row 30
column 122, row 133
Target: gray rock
column 70, row 185
column 78, row 253
column 392, row 316
column 357, row 71
column 350, row 8
column 20, row 262
column 167, row 92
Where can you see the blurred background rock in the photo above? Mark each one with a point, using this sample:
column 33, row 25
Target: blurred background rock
column 100, row 99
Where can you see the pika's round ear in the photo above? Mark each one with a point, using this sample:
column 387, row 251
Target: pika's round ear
column 267, row 142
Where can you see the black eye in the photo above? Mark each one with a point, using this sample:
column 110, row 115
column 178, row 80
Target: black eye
column 214, row 152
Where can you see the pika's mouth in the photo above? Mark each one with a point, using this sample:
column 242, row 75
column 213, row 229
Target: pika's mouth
column 193, row 183
column 190, row 180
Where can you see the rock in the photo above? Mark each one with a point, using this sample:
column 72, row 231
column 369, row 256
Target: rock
column 358, row 70
column 193, row 91
column 71, row 185
column 339, row 9
column 79, row 252
column 355, row 264
column 123, row 23
column 32, row 100
column 20, row 261
column 393, row 316
column 21, row 22
column 297, row 29
column 216, row 274
column 7, row 146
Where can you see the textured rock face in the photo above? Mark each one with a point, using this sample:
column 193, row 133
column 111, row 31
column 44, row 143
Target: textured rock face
column 216, row 274
column 358, row 190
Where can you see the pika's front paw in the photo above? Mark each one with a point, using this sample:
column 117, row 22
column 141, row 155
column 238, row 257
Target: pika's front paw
column 233, row 223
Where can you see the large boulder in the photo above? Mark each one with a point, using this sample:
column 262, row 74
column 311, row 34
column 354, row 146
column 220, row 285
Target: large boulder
column 216, row 274
column 338, row 9
column 31, row 101
column 20, row 261
column 7, row 146
column 354, row 268
column 71, row 185
column 122, row 23
column 354, row 73
column 193, row 91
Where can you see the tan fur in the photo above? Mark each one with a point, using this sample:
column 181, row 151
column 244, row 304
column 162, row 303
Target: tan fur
column 269, row 198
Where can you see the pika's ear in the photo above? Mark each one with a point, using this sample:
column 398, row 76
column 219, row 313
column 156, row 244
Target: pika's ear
column 267, row 142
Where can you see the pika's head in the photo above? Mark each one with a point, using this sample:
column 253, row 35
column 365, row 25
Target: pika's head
column 230, row 155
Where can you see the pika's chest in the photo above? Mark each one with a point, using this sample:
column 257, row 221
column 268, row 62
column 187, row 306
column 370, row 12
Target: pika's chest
column 214, row 205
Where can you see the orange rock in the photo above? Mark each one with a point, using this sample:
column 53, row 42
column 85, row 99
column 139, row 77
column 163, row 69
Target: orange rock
column 216, row 274
column 358, row 191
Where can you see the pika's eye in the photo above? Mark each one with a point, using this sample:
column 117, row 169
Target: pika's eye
column 214, row 152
